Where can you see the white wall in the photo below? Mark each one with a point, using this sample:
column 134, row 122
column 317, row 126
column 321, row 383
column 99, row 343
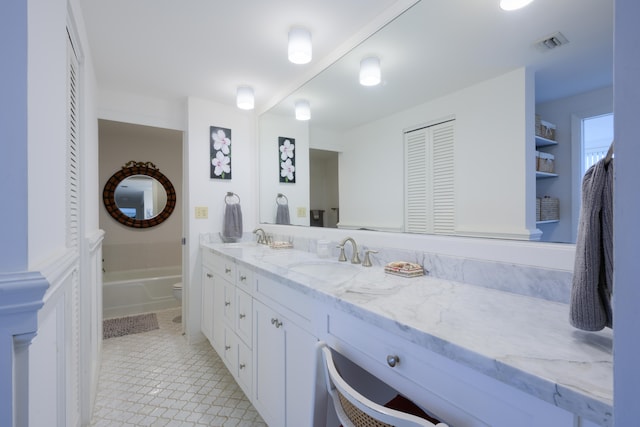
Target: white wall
column 271, row 127
column 58, row 362
column 127, row 248
column 47, row 129
column 567, row 185
column 494, row 161
column 210, row 193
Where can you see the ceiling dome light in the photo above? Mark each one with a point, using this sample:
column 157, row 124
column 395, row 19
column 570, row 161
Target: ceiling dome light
column 370, row 71
column 303, row 110
column 513, row 4
column 299, row 45
column 245, row 98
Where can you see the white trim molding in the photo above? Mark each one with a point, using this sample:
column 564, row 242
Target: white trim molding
column 21, row 296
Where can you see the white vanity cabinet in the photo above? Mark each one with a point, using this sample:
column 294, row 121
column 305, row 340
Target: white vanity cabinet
column 284, row 356
column 261, row 330
column 227, row 315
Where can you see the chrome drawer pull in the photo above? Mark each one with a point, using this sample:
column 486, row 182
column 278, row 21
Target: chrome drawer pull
column 227, row 270
column 242, row 365
column 209, row 275
column 243, row 278
column 227, row 303
column 227, row 347
column 392, row 360
column 277, row 323
column 242, row 316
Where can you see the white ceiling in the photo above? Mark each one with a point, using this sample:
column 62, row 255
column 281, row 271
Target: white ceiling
column 206, row 48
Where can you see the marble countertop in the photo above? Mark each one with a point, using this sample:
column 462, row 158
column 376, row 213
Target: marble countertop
column 522, row 341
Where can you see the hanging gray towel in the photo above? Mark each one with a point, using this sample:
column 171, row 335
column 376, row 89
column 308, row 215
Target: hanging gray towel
column 232, row 226
column 282, row 214
column 592, row 287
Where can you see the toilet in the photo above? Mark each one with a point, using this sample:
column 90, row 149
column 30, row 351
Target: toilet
column 177, row 291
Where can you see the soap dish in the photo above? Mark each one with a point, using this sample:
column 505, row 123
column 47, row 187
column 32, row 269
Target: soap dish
column 281, row 245
column 404, row 269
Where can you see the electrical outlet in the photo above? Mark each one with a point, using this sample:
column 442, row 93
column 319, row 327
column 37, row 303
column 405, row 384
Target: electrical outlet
column 302, row 212
column 202, row 212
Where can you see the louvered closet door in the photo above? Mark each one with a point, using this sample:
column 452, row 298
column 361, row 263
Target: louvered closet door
column 429, row 180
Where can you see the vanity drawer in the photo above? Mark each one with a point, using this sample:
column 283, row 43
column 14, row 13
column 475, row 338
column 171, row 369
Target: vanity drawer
column 292, row 303
column 222, row 267
column 387, row 350
column 244, row 279
column 209, row 258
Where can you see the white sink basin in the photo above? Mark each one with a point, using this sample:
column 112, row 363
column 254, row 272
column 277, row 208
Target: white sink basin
column 330, row 271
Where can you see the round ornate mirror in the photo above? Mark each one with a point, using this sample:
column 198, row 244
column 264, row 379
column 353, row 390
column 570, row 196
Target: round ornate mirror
column 139, row 195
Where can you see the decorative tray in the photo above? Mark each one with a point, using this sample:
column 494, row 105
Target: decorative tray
column 404, row 269
column 281, row 245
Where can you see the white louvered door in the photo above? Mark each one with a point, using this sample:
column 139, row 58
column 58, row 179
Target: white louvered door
column 430, row 179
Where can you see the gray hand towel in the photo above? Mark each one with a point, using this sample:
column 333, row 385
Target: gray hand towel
column 592, row 287
column 282, row 214
column 232, row 223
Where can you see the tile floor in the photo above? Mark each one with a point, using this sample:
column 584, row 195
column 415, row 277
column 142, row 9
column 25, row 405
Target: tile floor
column 156, row 379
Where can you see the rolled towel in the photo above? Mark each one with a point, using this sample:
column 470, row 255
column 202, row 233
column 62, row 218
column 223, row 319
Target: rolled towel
column 232, row 226
column 282, row 214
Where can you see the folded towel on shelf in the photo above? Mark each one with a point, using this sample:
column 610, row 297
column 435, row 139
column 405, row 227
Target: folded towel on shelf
column 232, row 223
column 592, row 287
column 282, row 214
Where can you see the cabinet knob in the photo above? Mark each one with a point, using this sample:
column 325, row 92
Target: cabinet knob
column 242, row 316
column 209, row 275
column 227, row 303
column 392, row 360
column 242, row 366
column 227, row 347
column 276, row 322
column 227, row 270
column 243, row 278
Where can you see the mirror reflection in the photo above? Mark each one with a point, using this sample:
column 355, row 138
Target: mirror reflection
column 140, row 197
column 486, row 71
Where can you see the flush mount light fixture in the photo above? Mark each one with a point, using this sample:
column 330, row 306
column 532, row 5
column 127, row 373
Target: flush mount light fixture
column 370, row 71
column 245, row 98
column 513, row 4
column 299, row 45
column 303, row 110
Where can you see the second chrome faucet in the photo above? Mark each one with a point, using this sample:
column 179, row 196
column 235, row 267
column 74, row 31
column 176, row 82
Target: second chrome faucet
column 355, row 259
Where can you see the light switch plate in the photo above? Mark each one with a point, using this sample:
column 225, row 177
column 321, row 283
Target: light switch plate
column 202, row 212
column 302, row 212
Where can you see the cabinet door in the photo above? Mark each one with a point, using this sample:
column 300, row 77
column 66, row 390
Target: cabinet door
column 300, row 347
column 229, row 304
column 245, row 368
column 206, row 317
column 269, row 364
column 230, row 355
column 284, row 369
column 244, row 316
column 218, row 314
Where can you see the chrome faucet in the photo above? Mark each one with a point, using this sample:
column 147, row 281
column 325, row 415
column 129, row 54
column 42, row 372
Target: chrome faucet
column 355, row 259
column 262, row 236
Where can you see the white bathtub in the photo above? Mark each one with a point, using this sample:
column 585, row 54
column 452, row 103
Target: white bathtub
column 139, row 291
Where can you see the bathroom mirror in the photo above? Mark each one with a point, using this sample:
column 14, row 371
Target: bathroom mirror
column 139, row 195
column 440, row 60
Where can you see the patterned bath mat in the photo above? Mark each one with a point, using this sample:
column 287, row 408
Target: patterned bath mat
column 112, row 328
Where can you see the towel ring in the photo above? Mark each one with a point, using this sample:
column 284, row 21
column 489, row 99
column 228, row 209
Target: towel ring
column 281, row 196
column 231, row 195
